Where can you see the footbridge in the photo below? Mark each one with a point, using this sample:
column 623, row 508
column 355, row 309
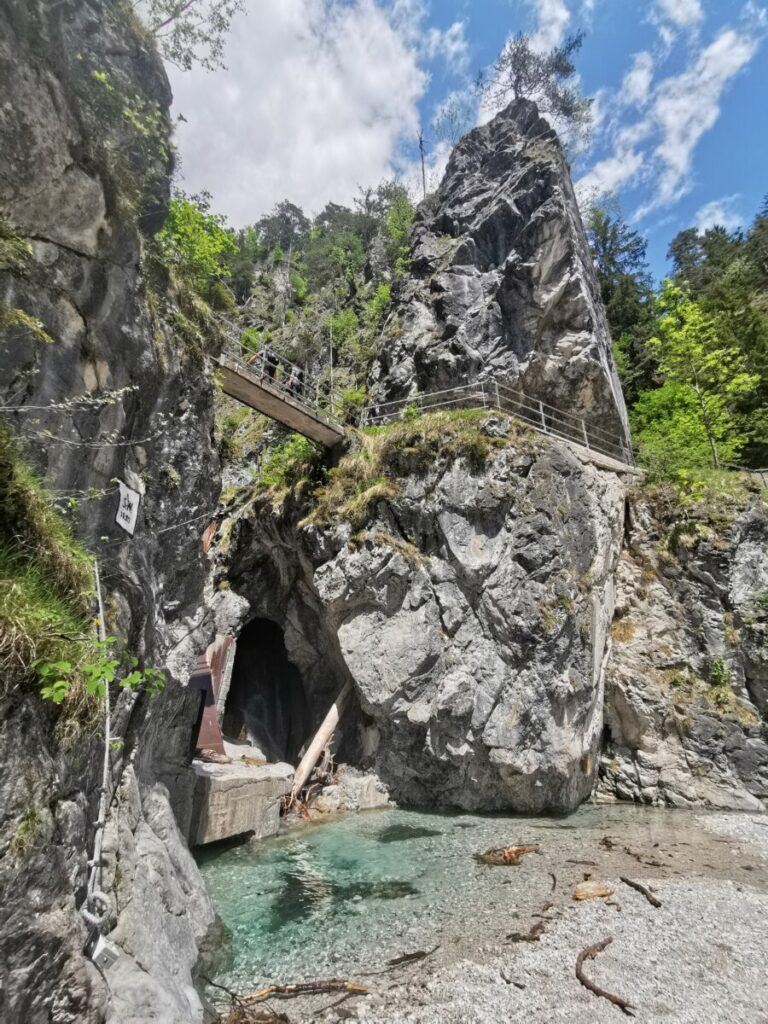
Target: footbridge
column 280, row 389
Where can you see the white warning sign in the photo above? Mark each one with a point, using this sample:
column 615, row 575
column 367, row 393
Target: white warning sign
column 128, row 509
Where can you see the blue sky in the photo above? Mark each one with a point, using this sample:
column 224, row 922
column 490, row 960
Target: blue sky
column 323, row 96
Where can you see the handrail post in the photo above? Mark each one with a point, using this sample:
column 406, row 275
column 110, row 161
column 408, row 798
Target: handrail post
column 543, row 418
column 498, row 403
column 482, row 389
column 584, row 432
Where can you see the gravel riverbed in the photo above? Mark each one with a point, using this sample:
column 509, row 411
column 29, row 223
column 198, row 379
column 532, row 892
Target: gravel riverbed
column 700, row 957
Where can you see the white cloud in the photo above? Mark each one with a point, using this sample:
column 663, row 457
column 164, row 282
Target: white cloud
column 720, row 212
column 552, row 18
column 677, row 113
column 636, row 86
column 609, row 176
column 683, row 13
column 408, row 18
column 318, row 99
column 450, row 44
column 686, row 106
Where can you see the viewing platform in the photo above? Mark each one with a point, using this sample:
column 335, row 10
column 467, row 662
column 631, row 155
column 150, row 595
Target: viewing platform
column 281, row 390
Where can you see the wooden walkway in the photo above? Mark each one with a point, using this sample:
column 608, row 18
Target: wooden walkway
column 271, row 399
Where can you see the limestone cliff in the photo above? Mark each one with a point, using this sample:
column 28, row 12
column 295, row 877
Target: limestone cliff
column 687, row 680
column 502, row 282
column 84, row 169
column 469, row 601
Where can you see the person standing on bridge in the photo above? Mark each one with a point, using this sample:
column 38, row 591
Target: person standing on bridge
column 268, row 363
column 296, row 382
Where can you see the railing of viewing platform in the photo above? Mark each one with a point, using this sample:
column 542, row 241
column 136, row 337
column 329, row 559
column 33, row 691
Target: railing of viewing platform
column 493, row 394
column 317, row 393
column 321, row 396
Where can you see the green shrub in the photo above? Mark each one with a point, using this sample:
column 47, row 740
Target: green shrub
column 717, row 672
column 195, row 243
column 47, row 602
column 288, row 464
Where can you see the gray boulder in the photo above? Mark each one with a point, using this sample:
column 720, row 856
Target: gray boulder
column 471, row 613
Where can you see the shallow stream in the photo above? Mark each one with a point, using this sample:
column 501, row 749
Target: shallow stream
column 345, row 896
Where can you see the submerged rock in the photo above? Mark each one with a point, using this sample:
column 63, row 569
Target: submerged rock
column 353, row 790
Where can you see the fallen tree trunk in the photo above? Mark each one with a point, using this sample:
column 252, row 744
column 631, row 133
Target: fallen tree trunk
column 322, row 737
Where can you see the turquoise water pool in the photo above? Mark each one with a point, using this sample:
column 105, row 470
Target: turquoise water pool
column 344, row 896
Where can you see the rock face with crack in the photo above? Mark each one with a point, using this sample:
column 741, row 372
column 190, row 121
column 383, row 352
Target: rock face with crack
column 687, row 680
column 471, row 612
column 81, row 187
column 502, row 282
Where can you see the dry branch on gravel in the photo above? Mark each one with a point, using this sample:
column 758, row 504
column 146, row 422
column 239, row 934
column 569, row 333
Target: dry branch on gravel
column 589, row 954
column 305, row 988
column 537, row 930
column 641, row 889
column 505, row 854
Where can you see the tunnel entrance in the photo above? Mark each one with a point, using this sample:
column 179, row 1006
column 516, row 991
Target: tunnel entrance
column 267, row 703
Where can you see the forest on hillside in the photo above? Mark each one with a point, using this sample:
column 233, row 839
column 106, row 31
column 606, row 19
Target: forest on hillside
column 692, row 351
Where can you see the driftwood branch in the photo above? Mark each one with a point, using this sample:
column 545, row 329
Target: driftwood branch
column 533, row 935
column 305, row 988
column 322, row 737
column 589, row 954
column 505, row 854
column 641, row 889
column 403, row 961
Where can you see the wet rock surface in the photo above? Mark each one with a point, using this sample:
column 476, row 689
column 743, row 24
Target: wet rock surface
column 352, row 790
column 81, row 214
column 502, row 281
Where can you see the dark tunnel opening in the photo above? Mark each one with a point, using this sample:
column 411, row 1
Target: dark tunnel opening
column 267, row 704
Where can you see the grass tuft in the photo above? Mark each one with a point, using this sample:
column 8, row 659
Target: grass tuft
column 386, row 455
column 46, row 588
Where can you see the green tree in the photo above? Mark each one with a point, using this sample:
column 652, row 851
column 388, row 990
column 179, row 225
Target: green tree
column 699, row 258
column 333, row 258
column 627, row 293
column 189, row 32
column 397, row 230
column 667, row 426
column 195, row 242
column 287, row 226
column 695, row 355
column 521, row 72
column 241, row 264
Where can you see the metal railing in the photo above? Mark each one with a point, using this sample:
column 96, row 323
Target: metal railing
column 321, row 397
column 494, row 394
column 280, row 374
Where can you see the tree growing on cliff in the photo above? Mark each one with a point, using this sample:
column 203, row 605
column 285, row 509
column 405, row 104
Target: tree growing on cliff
column 189, row 32
column 521, row 72
column 195, row 243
